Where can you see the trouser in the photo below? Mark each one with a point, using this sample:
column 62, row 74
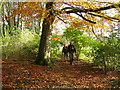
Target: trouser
column 65, row 54
column 71, row 58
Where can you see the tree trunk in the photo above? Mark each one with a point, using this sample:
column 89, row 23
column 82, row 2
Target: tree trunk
column 44, row 48
column 14, row 23
column 18, row 16
column 48, row 45
column 17, row 21
column 3, row 26
column 22, row 23
column 8, row 18
column 105, row 65
column 39, row 25
column 42, row 18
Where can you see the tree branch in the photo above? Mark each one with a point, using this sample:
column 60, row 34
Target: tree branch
column 61, row 19
column 106, row 17
column 77, row 10
column 73, row 9
column 95, row 34
column 85, row 18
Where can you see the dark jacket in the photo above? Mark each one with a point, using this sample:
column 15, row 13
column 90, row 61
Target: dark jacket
column 65, row 50
column 71, row 48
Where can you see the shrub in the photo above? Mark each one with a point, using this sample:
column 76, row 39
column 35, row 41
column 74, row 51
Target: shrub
column 107, row 53
column 21, row 46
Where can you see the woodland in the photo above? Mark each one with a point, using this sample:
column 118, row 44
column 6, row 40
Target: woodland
column 32, row 35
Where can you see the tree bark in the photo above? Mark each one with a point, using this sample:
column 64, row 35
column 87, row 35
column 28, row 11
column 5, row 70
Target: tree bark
column 48, row 45
column 18, row 17
column 17, row 22
column 44, row 50
column 3, row 26
column 8, row 18
column 14, row 22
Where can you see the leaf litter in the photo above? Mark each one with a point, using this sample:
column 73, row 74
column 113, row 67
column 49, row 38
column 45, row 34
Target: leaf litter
column 60, row 75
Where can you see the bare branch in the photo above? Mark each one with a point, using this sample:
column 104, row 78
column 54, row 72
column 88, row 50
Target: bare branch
column 95, row 34
column 61, row 19
column 106, row 17
column 73, row 10
column 85, row 18
column 77, row 10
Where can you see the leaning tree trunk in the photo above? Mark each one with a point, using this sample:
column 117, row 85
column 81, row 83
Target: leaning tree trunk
column 44, row 49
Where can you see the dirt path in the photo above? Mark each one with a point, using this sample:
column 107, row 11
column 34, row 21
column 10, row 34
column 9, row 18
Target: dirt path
column 61, row 75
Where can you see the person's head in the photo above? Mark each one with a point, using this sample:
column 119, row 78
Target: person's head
column 70, row 43
column 64, row 44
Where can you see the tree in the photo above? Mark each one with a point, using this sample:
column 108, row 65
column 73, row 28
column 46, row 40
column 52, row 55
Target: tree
column 43, row 53
column 68, row 10
column 10, row 21
column 3, row 25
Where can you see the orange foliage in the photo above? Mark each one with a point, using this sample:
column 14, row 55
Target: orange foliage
column 29, row 9
column 56, row 38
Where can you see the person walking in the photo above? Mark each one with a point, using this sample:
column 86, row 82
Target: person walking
column 65, row 51
column 71, row 50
